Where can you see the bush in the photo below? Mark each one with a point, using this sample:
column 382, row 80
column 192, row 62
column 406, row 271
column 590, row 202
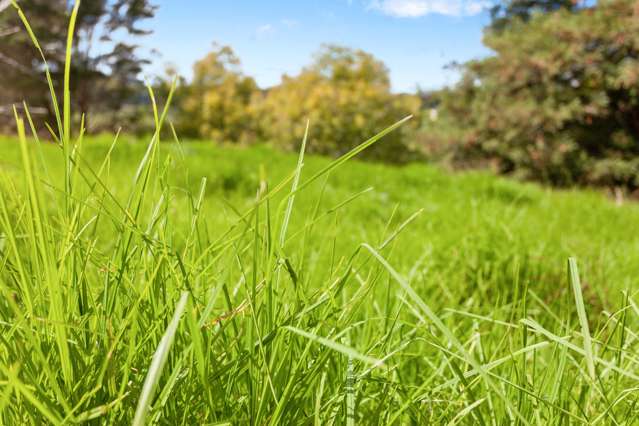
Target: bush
column 218, row 103
column 558, row 102
column 346, row 96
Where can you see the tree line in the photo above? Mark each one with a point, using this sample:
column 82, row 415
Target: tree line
column 344, row 93
column 557, row 100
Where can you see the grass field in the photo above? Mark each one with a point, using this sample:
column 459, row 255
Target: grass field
column 179, row 284
column 194, row 284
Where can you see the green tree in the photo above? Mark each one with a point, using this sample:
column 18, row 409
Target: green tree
column 346, row 95
column 559, row 100
column 505, row 12
column 104, row 72
column 218, row 102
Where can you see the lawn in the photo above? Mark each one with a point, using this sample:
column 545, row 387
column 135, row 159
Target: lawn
column 193, row 284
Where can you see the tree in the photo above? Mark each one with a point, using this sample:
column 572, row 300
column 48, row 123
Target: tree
column 346, row 95
column 104, row 77
column 507, row 11
column 217, row 103
column 559, row 100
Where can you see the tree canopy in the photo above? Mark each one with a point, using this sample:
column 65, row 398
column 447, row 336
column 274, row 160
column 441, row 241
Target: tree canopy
column 505, row 12
column 104, row 70
column 559, row 100
column 217, row 104
column 345, row 93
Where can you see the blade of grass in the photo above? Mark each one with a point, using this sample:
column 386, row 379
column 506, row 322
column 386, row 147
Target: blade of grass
column 581, row 313
column 157, row 364
column 343, row 349
column 296, row 180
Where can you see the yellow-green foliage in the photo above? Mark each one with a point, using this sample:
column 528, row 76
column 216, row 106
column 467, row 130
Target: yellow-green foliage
column 346, row 95
column 217, row 104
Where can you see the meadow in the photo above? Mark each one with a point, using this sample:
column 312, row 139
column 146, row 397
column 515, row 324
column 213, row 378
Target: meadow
column 190, row 283
column 153, row 281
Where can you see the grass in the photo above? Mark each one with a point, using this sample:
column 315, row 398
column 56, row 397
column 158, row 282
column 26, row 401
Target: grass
column 378, row 294
column 147, row 282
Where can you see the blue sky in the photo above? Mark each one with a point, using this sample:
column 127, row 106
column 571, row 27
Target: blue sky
column 415, row 38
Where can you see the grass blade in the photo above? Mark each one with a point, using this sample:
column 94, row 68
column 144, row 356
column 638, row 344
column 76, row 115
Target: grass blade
column 157, row 364
column 581, row 313
column 348, row 351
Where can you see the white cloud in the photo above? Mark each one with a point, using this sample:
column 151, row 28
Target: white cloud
column 418, row 8
column 264, row 30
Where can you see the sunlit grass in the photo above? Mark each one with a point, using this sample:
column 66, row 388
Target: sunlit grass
column 189, row 284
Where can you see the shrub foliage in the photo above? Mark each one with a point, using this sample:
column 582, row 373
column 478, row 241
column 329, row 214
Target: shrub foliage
column 217, row 104
column 345, row 93
column 558, row 101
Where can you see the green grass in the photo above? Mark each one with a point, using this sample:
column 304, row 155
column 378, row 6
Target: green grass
column 386, row 295
column 144, row 282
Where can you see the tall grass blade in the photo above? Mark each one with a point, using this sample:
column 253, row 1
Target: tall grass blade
column 296, row 180
column 157, row 364
column 581, row 313
column 346, row 350
column 67, row 74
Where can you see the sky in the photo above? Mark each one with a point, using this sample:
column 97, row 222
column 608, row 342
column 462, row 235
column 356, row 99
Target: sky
column 416, row 39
